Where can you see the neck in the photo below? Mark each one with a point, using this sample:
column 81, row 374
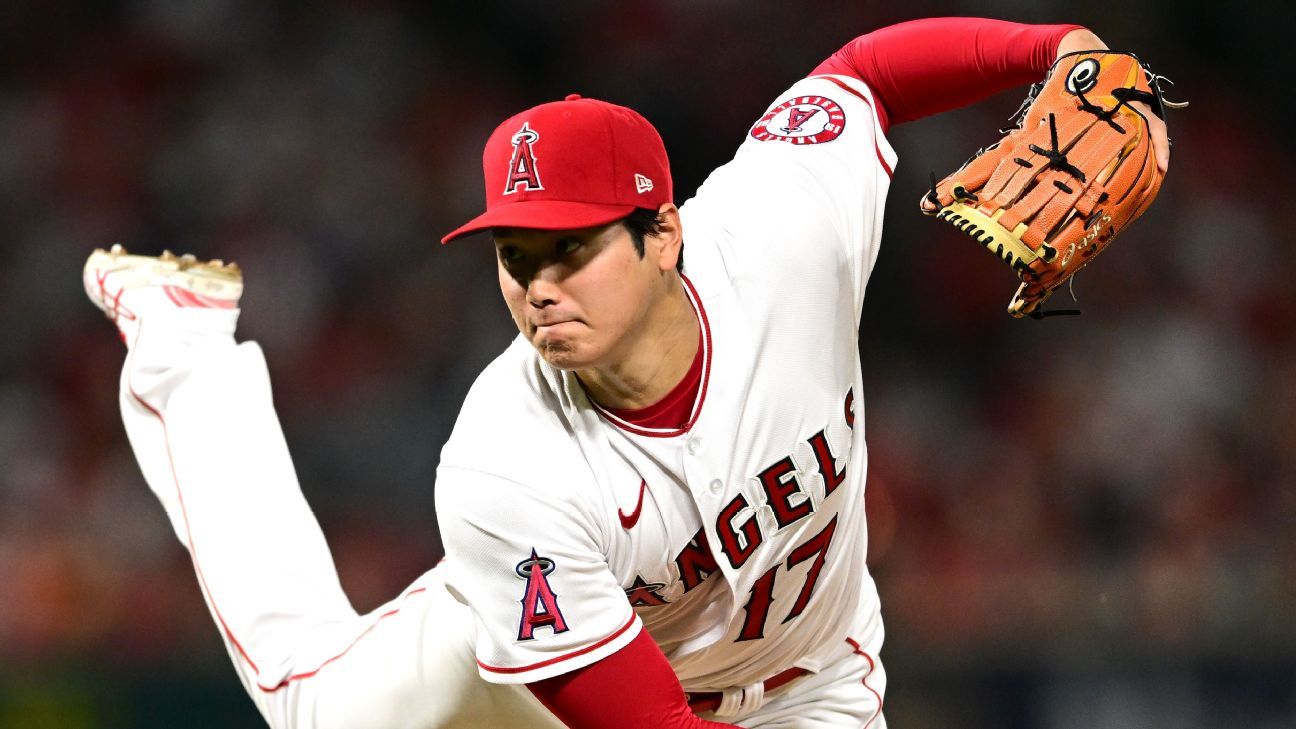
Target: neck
column 654, row 362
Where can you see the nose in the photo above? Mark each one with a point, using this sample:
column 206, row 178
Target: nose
column 542, row 289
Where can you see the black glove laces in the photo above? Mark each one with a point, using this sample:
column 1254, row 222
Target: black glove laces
column 1057, row 158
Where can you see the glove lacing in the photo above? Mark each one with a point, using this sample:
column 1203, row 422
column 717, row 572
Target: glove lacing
column 1057, row 158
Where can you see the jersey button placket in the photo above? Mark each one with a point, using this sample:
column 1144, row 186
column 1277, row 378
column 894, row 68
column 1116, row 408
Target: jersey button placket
column 698, row 472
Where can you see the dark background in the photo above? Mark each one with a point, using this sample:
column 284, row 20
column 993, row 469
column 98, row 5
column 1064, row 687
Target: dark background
column 1081, row 522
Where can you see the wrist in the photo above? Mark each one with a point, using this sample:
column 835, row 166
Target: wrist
column 1080, row 39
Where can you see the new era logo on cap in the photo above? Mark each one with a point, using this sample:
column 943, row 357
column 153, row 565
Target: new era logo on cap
column 575, row 163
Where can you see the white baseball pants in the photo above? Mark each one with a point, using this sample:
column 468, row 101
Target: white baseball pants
column 199, row 416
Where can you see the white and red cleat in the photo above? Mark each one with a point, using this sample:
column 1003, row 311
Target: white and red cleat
column 124, row 286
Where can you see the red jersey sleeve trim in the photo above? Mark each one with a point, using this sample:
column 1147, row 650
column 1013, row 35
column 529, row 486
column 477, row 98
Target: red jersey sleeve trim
column 507, row 670
column 876, row 147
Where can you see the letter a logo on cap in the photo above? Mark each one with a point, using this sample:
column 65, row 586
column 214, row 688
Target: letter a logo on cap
column 522, row 166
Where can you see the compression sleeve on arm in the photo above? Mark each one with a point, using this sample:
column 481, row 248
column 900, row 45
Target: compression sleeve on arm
column 634, row 688
column 924, row 67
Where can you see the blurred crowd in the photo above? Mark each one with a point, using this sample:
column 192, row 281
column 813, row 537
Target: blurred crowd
column 1075, row 522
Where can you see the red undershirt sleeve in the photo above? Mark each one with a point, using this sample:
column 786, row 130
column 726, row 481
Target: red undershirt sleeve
column 923, row 67
column 634, row 688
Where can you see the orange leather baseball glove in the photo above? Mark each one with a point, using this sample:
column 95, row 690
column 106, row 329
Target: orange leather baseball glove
column 1078, row 169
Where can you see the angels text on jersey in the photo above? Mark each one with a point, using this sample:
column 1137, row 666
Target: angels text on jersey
column 784, row 496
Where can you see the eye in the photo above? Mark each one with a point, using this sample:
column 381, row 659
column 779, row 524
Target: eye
column 509, row 254
column 568, row 245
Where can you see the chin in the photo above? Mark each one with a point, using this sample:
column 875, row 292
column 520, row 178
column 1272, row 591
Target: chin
column 563, row 350
column 561, row 354
column 563, row 361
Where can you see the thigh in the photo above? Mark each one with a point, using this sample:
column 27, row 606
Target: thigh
column 416, row 669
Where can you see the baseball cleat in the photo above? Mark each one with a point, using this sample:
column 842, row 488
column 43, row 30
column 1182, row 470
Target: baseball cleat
column 120, row 283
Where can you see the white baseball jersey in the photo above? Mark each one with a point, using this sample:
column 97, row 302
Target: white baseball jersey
column 739, row 540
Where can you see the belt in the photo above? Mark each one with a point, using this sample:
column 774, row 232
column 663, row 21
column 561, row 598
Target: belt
column 710, row 700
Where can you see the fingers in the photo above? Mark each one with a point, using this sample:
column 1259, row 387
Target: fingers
column 1160, row 142
column 1160, row 139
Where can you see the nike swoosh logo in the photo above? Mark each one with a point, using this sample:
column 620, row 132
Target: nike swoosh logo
column 629, row 520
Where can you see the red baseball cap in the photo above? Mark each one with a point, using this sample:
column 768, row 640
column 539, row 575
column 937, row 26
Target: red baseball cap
column 575, row 163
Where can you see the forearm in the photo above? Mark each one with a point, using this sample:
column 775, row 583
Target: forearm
column 636, row 684
column 924, row 67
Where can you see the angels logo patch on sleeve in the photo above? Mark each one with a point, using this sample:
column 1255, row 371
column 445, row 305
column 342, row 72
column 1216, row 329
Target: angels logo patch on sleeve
column 802, row 120
column 539, row 601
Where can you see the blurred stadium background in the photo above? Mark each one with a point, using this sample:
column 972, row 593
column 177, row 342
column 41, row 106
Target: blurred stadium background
column 1083, row 522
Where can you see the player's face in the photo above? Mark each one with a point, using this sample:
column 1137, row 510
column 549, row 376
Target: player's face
column 578, row 295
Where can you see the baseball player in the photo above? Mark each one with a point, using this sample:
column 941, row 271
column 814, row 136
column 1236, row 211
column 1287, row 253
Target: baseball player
column 653, row 501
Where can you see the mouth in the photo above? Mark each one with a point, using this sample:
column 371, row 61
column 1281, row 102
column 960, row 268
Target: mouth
column 547, row 323
column 558, row 330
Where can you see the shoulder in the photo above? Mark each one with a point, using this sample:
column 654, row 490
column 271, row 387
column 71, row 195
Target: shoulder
column 800, row 205
column 819, row 116
column 817, row 151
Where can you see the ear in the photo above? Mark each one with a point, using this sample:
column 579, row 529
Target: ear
column 669, row 241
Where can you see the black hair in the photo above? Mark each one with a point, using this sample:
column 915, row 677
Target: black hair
column 644, row 222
